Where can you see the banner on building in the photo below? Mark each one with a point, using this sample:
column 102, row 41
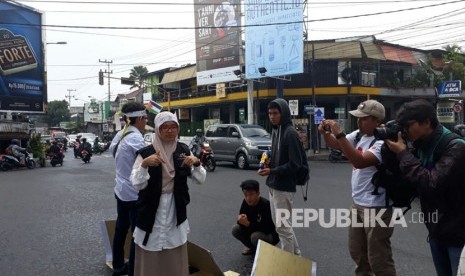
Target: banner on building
column 448, row 89
column 273, row 38
column 22, row 74
column 218, row 40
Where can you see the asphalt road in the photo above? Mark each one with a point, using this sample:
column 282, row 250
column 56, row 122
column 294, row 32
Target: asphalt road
column 50, row 220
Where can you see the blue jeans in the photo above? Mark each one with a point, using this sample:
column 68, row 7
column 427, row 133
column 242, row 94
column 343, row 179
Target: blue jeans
column 446, row 259
column 126, row 218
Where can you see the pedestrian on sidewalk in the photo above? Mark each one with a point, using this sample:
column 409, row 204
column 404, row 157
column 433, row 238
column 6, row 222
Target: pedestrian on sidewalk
column 370, row 245
column 287, row 159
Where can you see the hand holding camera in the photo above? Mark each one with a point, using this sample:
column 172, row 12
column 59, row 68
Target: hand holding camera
column 393, row 135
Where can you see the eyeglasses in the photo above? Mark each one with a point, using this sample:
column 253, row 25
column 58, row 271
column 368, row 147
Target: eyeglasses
column 168, row 128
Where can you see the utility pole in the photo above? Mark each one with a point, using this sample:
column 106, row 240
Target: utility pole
column 69, row 96
column 108, row 62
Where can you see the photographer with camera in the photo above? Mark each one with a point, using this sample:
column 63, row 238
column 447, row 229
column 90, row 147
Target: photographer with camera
column 436, row 169
column 370, row 245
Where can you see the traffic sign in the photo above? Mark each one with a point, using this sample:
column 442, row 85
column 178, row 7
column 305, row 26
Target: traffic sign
column 458, row 108
column 294, row 107
column 310, row 109
column 340, row 110
column 319, row 115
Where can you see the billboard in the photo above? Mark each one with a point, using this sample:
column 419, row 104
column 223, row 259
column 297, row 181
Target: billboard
column 217, row 40
column 94, row 112
column 22, row 70
column 273, row 38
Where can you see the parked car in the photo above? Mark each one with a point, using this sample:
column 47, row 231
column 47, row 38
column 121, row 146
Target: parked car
column 239, row 143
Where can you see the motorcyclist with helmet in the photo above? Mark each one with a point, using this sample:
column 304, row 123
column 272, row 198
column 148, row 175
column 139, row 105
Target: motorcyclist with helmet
column 85, row 146
column 56, row 150
column 17, row 150
column 197, row 141
column 96, row 147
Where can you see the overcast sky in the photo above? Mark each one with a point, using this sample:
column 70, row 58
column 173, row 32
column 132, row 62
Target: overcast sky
column 75, row 65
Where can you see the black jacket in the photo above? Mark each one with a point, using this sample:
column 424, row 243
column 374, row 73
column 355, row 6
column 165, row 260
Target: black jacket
column 286, row 152
column 260, row 219
column 440, row 184
column 149, row 198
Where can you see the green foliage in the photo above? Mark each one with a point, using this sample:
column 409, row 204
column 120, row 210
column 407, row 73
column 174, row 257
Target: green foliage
column 57, row 111
column 138, row 73
column 37, row 148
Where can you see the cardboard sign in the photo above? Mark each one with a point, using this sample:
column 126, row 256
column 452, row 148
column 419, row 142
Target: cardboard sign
column 271, row 260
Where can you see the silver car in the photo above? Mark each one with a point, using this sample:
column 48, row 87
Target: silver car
column 241, row 144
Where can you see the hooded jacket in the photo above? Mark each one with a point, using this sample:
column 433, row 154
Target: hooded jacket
column 440, row 185
column 286, row 152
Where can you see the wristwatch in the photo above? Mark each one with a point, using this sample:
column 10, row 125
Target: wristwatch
column 340, row 135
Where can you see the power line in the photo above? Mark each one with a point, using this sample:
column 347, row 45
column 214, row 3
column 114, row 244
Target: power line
column 240, row 26
column 212, row 3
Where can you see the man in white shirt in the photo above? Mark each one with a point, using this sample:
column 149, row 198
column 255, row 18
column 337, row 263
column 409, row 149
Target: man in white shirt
column 369, row 245
column 124, row 147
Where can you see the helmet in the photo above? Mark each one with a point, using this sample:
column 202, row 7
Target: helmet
column 199, row 132
column 15, row 142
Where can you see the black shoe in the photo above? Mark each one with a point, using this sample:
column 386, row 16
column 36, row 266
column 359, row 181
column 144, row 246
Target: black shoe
column 122, row 271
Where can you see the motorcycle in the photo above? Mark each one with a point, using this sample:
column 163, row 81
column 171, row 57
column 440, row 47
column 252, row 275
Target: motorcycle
column 85, row 156
column 336, row 155
column 55, row 159
column 98, row 149
column 207, row 158
column 8, row 162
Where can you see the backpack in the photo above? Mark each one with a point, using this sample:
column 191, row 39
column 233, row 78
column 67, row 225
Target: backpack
column 398, row 189
column 303, row 174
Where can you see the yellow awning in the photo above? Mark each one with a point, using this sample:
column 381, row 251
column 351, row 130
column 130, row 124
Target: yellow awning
column 179, row 75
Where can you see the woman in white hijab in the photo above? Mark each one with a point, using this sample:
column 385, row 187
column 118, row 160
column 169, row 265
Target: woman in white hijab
column 160, row 174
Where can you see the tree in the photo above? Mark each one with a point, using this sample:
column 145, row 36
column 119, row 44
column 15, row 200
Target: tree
column 57, row 111
column 455, row 62
column 137, row 74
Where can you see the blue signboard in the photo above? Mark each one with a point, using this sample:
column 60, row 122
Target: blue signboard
column 450, row 89
column 22, row 74
column 273, row 38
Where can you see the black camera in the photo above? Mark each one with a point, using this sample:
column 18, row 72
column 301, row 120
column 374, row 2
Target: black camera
column 389, row 131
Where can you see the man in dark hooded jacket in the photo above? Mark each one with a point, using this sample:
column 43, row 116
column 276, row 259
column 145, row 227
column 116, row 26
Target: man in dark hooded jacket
column 286, row 159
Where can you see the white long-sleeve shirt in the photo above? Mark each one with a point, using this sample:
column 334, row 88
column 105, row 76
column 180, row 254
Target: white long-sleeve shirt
column 124, row 159
column 165, row 234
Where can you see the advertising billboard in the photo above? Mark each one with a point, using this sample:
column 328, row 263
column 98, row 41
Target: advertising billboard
column 273, row 38
column 94, row 112
column 217, row 40
column 22, row 70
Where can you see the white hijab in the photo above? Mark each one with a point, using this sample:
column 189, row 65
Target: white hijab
column 165, row 150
